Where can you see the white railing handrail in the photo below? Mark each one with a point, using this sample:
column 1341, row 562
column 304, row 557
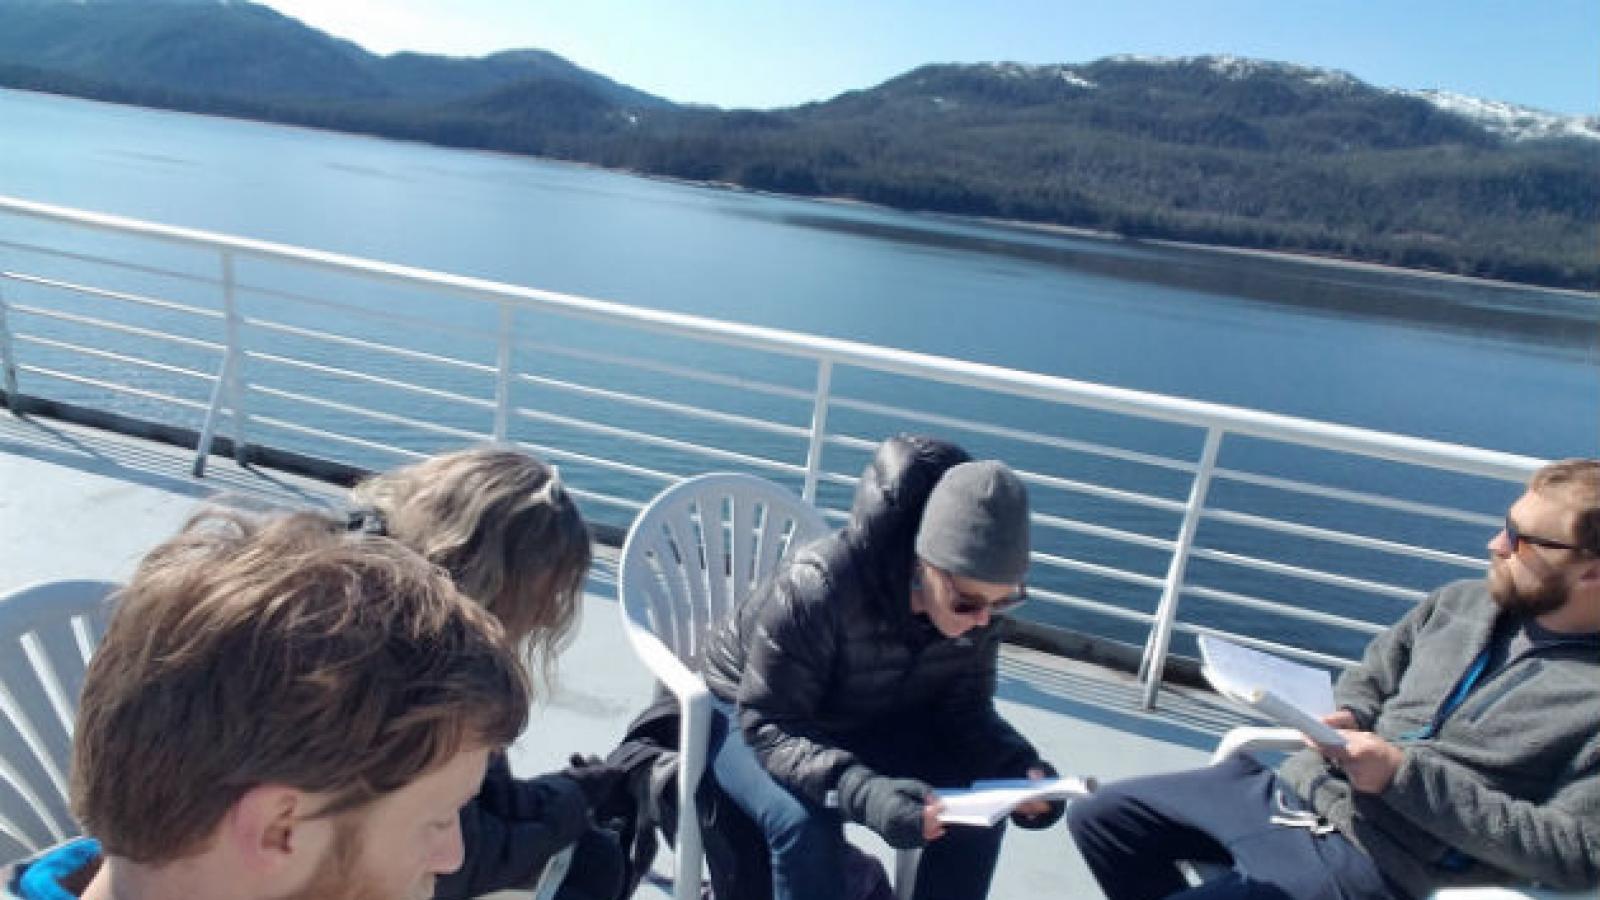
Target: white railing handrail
column 1199, row 413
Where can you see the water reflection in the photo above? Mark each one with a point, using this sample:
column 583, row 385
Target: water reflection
column 1562, row 323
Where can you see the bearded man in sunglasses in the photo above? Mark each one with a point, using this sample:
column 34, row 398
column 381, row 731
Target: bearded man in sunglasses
column 864, row 672
column 1472, row 751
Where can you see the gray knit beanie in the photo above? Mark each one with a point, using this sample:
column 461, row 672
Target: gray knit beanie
column 976, row 523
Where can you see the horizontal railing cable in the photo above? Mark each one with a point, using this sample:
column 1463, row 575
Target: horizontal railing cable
column 1087, row 568
column 123, row 296
column 1106, row 493
column 610, row 465
column 652, row 440
column 1098, row 607
column 366, row 413
column 1305, row 574
column 641, row 402
column 115, row 357
column 113, row 386
column 386, row 316
column 1103, row 531
column 1331, row 536
column 134, row 330
column 1233, row 598
column 1016, row 434
column 1281, row 649
column 379, row 380
column 606, row 499
column 343, row 340
column 119, row 264
column 1361, row 498
column 349, row 440
column 700, row 376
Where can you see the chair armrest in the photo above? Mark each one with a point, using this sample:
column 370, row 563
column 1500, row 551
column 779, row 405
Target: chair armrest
column 663, row 663
column 1252, row 737
column 695, row 708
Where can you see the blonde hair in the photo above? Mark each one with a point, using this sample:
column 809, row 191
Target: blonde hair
column 498, row 520
column 285, row 651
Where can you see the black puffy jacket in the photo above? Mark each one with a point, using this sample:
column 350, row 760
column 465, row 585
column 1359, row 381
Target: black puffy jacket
column 829, row 646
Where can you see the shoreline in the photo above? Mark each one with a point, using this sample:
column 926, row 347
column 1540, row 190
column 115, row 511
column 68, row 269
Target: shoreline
column 1050, row 229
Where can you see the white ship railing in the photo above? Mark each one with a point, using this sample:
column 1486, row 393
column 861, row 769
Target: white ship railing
column 1154, row 515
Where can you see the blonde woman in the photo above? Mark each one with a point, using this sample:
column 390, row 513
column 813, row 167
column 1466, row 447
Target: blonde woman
column 498, row 520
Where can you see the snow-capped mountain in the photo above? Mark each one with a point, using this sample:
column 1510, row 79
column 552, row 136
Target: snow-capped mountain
column 1508, row 120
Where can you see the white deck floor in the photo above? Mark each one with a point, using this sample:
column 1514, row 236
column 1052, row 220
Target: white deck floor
column 82, row 503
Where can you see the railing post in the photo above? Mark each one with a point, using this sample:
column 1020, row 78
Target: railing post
column 502, row 384
column 1155, row 648
column 228, row 378
column 819, row 430
column 8, row 358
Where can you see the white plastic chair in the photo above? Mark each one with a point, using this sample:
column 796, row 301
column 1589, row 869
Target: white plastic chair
column 692, row 556
column 1254, row 738
column 47, row 633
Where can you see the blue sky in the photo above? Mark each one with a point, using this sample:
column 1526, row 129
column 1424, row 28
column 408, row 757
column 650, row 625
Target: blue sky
column 767, row 53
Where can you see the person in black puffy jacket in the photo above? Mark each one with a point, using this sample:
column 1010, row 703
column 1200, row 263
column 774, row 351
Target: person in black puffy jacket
column 863, row 674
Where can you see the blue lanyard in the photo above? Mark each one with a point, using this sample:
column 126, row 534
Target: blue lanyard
column 1457, row 697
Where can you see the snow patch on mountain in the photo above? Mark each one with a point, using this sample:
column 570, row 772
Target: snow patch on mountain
column 1519, row 123
column 1067, row 74
column 1239, row 68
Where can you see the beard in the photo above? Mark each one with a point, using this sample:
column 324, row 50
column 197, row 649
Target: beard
column 1549, row 596
column 340, row 876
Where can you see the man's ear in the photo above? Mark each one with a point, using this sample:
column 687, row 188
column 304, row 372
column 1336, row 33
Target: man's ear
column 267, row 830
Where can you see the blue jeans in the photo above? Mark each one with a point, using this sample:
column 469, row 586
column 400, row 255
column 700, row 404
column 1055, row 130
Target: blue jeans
column 806, row 841
column 1132, row 832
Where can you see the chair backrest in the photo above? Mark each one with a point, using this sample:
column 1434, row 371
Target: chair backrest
column 47, row 632
column 701, row 548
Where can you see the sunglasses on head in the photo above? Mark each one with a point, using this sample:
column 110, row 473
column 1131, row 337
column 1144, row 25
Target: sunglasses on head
column 966, row 604
column 1515, row 539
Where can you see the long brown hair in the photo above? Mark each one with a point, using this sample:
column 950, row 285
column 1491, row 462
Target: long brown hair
column 500, row 522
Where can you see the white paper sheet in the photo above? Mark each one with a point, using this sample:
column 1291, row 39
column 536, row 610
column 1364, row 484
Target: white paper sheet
column 986, row 801
column 1287, row 692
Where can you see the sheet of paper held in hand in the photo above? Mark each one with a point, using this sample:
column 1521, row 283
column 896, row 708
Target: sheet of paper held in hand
column 1287, row 692
column 986, row 801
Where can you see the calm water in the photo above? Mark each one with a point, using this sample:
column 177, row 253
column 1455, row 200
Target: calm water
column 1506, row 368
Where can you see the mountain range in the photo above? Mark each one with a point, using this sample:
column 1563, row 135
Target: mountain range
column 1213, row 149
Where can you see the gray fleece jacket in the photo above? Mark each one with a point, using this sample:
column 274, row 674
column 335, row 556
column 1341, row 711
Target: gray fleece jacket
column 1506, row 791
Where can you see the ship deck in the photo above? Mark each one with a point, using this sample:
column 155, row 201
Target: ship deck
column 77, row 502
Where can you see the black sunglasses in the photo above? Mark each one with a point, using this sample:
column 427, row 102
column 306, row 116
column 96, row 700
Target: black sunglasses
column 1516, row 539
column 971, row 604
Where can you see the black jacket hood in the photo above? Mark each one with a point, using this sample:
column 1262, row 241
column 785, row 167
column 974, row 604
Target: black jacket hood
column 887, row 510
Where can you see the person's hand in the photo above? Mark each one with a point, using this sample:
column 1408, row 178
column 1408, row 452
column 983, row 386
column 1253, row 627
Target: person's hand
column 595, row 779
column 1341, row 718
column 1033, row 808
column 1037, row 814
column 1369, row 762
column 932, row 828
column 896, row 808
